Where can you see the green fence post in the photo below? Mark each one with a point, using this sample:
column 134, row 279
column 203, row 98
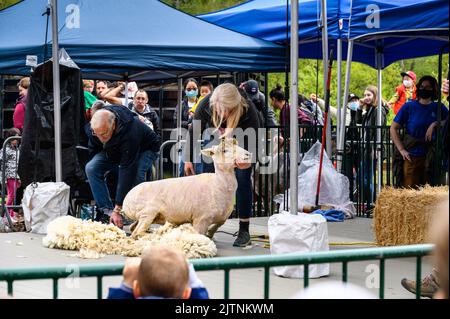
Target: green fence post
column 227, row 284
column 10, row 287
column 418, row 277
column 382, row 278
column 99, row 287
column 305, row 275
column 344, row 271
column 55, row 288
column 266, row 282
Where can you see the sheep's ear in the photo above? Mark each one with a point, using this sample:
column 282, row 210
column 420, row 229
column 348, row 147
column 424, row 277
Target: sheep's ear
column 208, row 152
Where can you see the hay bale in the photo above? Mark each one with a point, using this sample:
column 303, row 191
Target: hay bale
column 402, row 216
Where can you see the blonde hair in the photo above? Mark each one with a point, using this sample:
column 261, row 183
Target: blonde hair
column 226, row 97
column 24, row 82
column 374, row 90
column 88, row 83
column 163, row 272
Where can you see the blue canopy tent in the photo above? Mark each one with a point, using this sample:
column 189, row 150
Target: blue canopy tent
column 128, row 40
column 115, row 39
column 266, row 19
column 376, row 33
column 420, row 24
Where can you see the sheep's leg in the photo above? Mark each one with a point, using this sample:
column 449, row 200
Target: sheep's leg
column 133, row 226
column 201, row 225
column 145, row 221
column 213, row 228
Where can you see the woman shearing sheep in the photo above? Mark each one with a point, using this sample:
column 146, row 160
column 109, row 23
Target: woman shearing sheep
column 226, row 110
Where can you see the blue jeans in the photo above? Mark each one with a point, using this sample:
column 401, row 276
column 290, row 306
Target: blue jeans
column 244, row 192
column 368, row 174
column 96, row 170
column 145, row 163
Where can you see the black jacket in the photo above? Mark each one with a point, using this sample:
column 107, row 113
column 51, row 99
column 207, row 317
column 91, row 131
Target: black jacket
column 185, row 121
column 369, row 123
column 130, row 138
column 150, row 114
column 203, row 113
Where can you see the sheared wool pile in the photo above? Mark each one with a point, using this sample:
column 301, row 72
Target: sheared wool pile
column 402, row 216
column 94, row 240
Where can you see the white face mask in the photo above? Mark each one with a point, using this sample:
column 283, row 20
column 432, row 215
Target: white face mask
column 407, row 83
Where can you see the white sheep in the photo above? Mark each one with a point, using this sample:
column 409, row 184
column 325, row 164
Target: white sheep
column 203, row 200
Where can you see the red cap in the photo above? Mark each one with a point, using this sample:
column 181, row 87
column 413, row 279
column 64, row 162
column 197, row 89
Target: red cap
column 411, row 74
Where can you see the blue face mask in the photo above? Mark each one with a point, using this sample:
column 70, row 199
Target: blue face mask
column 191, row 93
column 354, row 106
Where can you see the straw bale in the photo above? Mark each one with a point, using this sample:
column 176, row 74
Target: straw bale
column 402, row 216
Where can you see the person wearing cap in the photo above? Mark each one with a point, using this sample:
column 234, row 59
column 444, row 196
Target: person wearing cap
column 351, row 150
column 251, row 88
column 354, row 106
column 406, row 92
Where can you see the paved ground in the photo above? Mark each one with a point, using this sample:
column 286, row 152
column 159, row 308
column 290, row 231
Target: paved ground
column 25, row 250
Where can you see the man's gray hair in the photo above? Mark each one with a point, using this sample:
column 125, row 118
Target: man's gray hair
column 102, row 117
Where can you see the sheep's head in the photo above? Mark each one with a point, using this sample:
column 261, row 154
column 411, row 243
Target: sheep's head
column 227, row 154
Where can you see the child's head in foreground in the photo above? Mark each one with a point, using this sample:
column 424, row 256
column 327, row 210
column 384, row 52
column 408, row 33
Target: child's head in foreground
column 163, row 272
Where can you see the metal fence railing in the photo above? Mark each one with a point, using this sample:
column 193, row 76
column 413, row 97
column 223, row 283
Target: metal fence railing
column 10, row 275
column 359, row 165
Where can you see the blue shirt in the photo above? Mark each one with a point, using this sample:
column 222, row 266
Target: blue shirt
column 416, row 118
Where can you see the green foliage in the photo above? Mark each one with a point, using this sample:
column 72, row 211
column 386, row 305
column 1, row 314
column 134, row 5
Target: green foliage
column 195, row 7
column 361, row 76
column 7, row 3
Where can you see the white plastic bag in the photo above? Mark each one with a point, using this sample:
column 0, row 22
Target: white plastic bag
column 290, row 233
column 43, row 203
column 334, row 187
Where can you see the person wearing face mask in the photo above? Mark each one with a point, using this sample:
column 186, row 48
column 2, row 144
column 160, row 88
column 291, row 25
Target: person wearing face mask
column 206, row 88
column 191, row 98
column 405, row 92
column 413, row 159
column 351, row 151
column 354, row 106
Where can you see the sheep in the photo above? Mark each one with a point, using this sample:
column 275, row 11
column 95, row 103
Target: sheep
column 94, row 240
column 204, row 200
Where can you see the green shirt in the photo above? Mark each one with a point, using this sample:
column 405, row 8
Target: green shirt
column 89, row 99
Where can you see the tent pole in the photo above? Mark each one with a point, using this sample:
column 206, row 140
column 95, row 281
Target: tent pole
column 293, row 110
column 56, row 92
column 179, row 113
column 340, row 148
column 325, row 68
column 379, row 112
column 126, row 92
column 339, row 124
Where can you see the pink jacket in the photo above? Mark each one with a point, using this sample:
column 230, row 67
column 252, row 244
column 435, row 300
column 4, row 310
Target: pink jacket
column 19, row 113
